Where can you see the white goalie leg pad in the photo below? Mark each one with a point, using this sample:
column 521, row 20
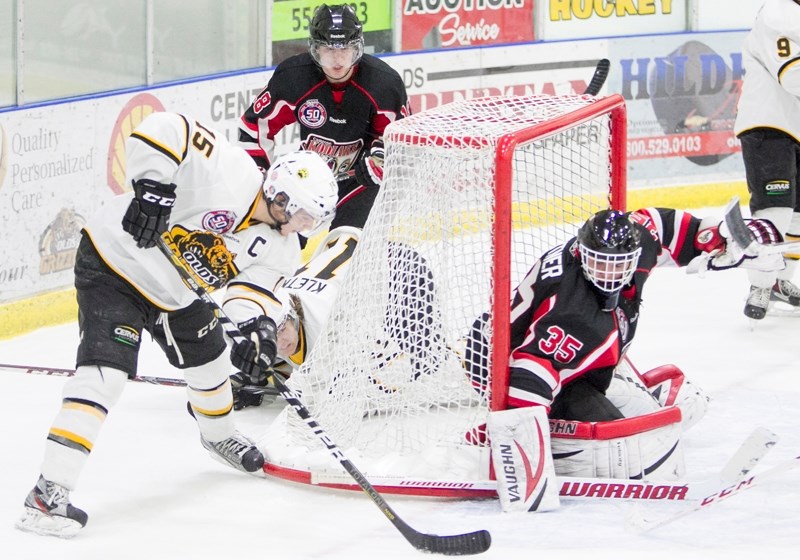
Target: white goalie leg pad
column 642, row 447
column 521, row 458
column 629, row 393
column 670, row 387
column 635, row 394
column 211, row 398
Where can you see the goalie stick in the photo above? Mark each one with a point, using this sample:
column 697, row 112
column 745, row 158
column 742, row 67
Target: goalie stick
column 475, row 542
column 599, row 77
column 570, row 487
column 643, row 523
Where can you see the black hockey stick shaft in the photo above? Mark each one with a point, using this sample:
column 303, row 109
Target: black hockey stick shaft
column 599, row 77
column 451, row 545
column 61, row 372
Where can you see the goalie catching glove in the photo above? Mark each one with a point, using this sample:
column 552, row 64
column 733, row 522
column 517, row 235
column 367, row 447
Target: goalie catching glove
column 369, row 169
column 255, row 353
column 147, row 216
column 720, row 251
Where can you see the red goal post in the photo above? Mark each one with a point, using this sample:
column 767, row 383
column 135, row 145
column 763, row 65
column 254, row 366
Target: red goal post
column 614, row 107
column 474, row 193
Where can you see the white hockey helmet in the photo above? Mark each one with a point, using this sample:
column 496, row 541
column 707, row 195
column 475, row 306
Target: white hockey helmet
column 303, row 181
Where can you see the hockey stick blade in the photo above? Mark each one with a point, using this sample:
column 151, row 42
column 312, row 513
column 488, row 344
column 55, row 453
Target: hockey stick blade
column 450, row 545
column 740, row 234
column 754, row 448
column 644, row 524
column 743, row 237
column 731, row 479
column 599, row 77
column 60, row 372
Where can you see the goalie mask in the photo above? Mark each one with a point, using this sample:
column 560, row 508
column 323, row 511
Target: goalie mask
column 302, row 186
column 609, row 246
column 335, row 28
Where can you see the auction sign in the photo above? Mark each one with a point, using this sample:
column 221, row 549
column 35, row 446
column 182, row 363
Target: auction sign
column 438, row 24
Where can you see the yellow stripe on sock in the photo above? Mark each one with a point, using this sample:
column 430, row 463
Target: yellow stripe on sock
column 218, row 412
column 794, row 256
column 82, row 407
column 72, row 437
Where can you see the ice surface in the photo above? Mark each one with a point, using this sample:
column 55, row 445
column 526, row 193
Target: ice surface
column 151, row 490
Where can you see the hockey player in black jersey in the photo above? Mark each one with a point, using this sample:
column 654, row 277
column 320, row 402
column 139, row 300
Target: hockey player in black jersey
column 342, row 100
column 573, row 317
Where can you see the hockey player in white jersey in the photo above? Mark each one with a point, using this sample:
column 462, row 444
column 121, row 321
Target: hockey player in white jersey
column 768, row 126
column 301, row 305
column 223, row 216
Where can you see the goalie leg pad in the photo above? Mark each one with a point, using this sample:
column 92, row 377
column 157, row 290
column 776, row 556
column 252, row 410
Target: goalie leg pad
column 629, row 393
column 521, row 457
column 643, row 447
column 669, row 387
column 636, row 394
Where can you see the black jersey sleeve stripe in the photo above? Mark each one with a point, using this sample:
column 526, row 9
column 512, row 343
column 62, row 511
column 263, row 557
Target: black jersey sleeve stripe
column 186, row 137
column 254, row 288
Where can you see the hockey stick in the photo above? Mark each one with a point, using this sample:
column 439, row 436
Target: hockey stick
column 730, row 479
column 59, row 372
column 743, row 237
column 643, row 524
column 599, row 77
column 741, row 462
column 451, row 545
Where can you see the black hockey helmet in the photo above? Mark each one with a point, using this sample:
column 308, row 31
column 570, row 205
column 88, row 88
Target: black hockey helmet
column 609, row 246
column 336, row 27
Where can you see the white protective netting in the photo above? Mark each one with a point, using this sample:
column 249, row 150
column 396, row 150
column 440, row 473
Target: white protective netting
column 388, row 380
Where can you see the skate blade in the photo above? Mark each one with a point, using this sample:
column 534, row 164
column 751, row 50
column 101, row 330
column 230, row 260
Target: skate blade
column 782, row 309
column 35, row 521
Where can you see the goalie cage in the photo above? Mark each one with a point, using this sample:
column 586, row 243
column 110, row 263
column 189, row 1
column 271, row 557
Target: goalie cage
column 474, row 192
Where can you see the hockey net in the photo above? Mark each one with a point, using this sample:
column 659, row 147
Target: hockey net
column 474, row 193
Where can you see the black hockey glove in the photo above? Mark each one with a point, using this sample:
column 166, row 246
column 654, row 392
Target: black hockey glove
column 147, row 216
column 245, row 394
column 254, row 355
column 369, row 169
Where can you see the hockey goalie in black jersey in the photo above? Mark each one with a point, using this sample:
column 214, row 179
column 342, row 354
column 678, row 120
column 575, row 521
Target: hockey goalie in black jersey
column 573, row 317
column 341, row 99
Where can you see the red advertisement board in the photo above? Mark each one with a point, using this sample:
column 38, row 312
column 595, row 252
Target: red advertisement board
column 436, row 24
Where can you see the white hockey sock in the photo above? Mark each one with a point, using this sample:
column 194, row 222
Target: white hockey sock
column 211, row 398
column 87, row 398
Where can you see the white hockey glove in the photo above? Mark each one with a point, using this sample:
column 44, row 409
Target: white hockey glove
column 721, row 252
column 369, row 169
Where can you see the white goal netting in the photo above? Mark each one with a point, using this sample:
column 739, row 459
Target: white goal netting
column 474, row 192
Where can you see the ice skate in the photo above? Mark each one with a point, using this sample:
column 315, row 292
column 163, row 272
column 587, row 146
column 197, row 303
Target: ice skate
column 757, row 303
column 48, row 511
column 786, row 292
column 237, row 451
